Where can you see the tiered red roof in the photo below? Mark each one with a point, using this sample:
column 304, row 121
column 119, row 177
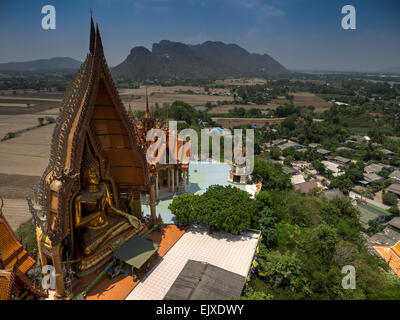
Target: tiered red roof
column 15, row 262
column 391, row 255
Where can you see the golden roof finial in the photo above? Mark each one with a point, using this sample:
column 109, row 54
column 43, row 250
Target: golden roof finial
column 92, row 34
column 147, row 115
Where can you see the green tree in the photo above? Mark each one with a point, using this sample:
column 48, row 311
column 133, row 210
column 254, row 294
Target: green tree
column 390, row 199
column 275, row 153
column 272, row 177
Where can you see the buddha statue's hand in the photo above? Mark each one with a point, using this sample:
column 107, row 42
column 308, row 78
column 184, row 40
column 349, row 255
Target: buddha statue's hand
column 133, row 221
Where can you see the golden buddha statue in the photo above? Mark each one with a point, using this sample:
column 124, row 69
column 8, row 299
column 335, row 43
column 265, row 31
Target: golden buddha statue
column 95, row 216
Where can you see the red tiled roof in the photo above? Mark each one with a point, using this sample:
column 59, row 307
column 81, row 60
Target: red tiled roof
column 12, row 251
column 390, row 255
column 15, row 262
column 6, row 283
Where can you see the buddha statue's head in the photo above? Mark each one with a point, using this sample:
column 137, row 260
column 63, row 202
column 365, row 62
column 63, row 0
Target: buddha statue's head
column 92, row 175
column 90, row 169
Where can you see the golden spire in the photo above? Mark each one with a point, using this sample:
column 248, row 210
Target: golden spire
column 147, row 115
column 92, row 34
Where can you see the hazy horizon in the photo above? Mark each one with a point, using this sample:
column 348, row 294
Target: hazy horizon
column 300, row 34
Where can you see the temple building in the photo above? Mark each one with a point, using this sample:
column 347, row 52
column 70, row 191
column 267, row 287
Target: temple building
column 15, row 262
column 88, row 204
column 171, row 175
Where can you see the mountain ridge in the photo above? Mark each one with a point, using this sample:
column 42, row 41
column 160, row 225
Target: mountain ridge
column 211, row 59
column 52, row 64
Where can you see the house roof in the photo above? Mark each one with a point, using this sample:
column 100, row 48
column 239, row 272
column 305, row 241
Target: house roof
column 369, row 177
column 343, row 149
column 333, row 193
column 395, row 222
column 287, row 145
column 395, row 174
column 342, row 159
column 323, row 151
column 394, row 188
column 289, row 170
column 204, row 281
column 314, row 145
column 306, row 187
column 387, row 152
column 331, row 166
column 296, row 179
column 374, row 168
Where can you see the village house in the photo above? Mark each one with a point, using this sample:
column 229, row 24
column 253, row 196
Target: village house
column 341, row 160
column 314, row 145
column 334, row 167
column 375, row 168
column 370, row 177
column 308, row 187
column 394, row 188
column 395, row 176
column 387, row 152
column 297, row 179
column 289, row 170
column 390, row 235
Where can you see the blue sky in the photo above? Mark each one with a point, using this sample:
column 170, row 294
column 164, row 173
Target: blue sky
column 301, row 34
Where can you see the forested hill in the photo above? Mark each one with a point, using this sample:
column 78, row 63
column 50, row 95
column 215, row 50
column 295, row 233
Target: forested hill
column 174, row 60
column 42, row 65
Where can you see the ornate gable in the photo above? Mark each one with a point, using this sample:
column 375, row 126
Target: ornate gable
column 91, row 112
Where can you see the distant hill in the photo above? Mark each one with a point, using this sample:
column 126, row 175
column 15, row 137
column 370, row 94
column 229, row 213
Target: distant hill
column 395, row 70
column 42, row 65
column 175, row 60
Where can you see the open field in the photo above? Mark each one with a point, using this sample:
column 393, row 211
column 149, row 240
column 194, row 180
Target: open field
column 15, row 123
column 14, row 105
column 38, row 102
column 29, row 98
column 16, row 212
column 305, row 99
column 158, row 94
column 28, row 153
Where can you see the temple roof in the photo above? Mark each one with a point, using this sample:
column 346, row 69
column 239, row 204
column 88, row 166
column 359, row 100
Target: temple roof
column 13, row 254
column 15, row 262
column 6, row 283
